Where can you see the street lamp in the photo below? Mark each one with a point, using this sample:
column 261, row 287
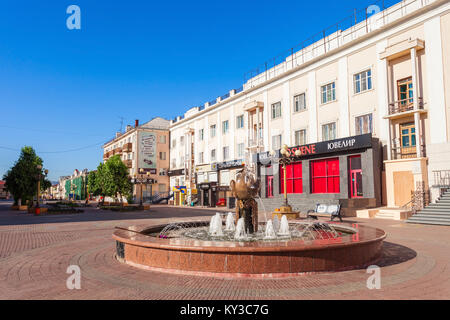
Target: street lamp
column 141, row 179
column 39, row 177
column 286, row 159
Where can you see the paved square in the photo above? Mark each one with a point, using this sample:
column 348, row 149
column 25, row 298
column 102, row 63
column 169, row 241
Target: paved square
column 35, row 252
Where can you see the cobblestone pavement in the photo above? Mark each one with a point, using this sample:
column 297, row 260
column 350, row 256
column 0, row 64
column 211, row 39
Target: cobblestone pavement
column 35, row 252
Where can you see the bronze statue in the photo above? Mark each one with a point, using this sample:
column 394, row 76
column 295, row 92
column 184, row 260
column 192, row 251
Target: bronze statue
column 245, row 189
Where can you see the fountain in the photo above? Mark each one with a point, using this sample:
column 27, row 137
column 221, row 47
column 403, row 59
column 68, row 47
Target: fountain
column 270, row 233
column 229, row 224
column 246, row 246
column 284, row 228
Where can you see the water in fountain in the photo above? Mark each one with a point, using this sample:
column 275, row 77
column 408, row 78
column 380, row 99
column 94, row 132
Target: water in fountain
column 276, row 224
column 284, row 227
column 215, row 227
column 270, row 232
column 229, row 226
column 240, row 233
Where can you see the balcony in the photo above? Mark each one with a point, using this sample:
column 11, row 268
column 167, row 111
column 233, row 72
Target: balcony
column 128, row 163
column 127, row 147
column 399, row 153
column 402, row 108
column 117, row 151
column 253, row 143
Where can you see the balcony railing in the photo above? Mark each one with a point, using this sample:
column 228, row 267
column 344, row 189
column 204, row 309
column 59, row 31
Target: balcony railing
column 128, row 163
column 441, row 179
column 406, row 152
column 404, row 105
column 255, row 142
column 127, row 147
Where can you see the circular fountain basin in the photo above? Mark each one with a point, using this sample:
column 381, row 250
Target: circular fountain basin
column 359, row 246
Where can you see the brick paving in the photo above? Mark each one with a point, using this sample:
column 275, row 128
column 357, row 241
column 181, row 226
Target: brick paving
column 35, row 252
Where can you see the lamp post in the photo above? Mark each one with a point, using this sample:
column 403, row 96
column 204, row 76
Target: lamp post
column 39, row 177
column 141, row 180
column 286, row 159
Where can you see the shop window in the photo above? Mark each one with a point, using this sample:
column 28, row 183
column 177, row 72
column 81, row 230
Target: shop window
column 294, row 179
column 325, row 176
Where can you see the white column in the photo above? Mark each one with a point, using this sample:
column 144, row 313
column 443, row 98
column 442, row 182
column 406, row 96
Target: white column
column 312, row 106
column 381, row 125
column 219, row 152
column 344, row 114
column 206, row 133
column 416, row 102
column 257, row 127
column 231, row 133
column 435, row 81
column 266, row 117
column 286, row 109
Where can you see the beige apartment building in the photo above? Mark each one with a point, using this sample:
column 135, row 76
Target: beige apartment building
column 378, row 90
column 145, row 151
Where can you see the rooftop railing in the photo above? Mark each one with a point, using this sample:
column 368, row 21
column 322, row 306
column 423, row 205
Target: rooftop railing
column 361, row 23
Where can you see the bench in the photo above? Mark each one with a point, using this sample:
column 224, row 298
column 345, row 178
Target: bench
column 326, row 210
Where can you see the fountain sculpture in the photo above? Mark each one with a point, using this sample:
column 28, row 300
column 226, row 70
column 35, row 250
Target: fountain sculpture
column 245, row 189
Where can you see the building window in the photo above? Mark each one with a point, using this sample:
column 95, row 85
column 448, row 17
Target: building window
column 363, row 124
column 329, row 131
column 174, row 143
column 213, row 155
column 240, row 148
column 294, row 179
column 182, row 161
column 276, row 142
column 129, row 156
column 162, row 139
column 162, row 172
column 325, row 176
column 240, row 122
column 276, row 110
column 226, row 153
column 213, row 130
column 182, row 140
column 300, row 137
column 328, row 92
column 225, row 127
column 201, row 135
column 300, row 102
column 162, row 156
column 363, row 81
column 162, row 187
column 200, row 157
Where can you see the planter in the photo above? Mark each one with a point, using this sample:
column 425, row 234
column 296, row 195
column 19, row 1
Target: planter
column 14, row 207
column 23, row 208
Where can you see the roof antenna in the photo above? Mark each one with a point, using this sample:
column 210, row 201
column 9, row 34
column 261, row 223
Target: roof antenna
column 121, row 123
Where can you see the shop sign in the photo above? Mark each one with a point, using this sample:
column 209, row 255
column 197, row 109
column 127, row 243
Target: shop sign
column 338, row 145
column 230, row 164
column 178, row 172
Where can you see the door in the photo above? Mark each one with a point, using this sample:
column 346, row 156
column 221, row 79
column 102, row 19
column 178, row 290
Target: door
column 269, row 186
column 408, row 140
column 355, row 176
column 403, row 185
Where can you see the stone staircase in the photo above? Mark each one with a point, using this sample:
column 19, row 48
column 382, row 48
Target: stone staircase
column 437, row 213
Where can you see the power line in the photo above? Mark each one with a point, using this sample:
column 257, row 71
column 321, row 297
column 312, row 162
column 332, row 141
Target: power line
column 54, row 152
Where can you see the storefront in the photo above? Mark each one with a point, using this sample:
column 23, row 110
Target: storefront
column 208, row 194
column 177, row 186
column 227, row 171
column 345, row 171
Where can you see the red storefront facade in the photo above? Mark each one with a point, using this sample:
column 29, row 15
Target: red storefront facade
column 346, row 171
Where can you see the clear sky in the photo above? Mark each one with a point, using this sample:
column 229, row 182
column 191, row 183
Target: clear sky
column 64, row 89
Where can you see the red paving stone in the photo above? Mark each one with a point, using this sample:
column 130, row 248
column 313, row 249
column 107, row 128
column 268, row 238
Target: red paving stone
column 36, row 251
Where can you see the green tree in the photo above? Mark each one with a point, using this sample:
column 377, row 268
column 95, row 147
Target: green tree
column 116, row 180
column 21, row 180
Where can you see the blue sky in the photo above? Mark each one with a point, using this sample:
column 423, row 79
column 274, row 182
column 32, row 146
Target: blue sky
column 64, row 89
